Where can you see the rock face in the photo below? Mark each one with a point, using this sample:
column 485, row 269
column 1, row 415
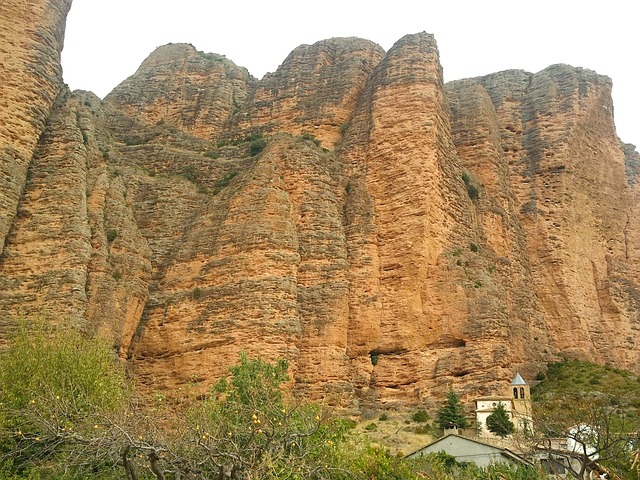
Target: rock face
column 31, row 38
column 315, row 90
column 390, row 235
column 194, row 91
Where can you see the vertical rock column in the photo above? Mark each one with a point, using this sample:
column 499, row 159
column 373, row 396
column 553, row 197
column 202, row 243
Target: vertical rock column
column 31, row 39
column 406, row 182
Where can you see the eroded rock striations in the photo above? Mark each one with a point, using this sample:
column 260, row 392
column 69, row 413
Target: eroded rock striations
column 31, row 39
column 388, row 234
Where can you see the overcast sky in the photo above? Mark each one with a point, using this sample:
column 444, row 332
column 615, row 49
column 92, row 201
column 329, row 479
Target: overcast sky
column 106, row 40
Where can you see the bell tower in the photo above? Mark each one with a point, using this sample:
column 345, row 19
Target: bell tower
column 520, row 394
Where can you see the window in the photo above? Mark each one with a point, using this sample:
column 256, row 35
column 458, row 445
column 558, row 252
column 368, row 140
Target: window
column 515, row 392
column 521, row 392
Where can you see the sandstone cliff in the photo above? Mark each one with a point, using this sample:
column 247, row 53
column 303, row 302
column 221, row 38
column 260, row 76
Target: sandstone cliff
column 388, row 234
column 31, row 39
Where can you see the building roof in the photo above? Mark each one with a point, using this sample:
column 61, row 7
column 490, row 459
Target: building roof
column 517, row 380
column 503, row 451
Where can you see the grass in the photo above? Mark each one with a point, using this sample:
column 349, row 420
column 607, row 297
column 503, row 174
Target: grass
column 397, row 434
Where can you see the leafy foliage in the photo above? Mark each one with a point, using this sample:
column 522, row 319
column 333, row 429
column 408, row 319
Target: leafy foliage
column 67, row 413
column 452, row 414
column 571, row 376
column 57, row 385
column 250, row 430
column 596, row 407
column 257, row 144
column 224, row 181
column 499, row 423
column 421, row 416
column 311, row 137
column 472, row 189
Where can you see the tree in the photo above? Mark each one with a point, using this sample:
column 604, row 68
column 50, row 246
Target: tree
column 597, row 433
column 249, row 428
column 499, row 423
column 67, row 412
column 58, row 389
column 452, row 414
column 586, row 417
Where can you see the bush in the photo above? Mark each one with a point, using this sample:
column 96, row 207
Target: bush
column 257, row 145
column 57, row 385
column 249, row 426
column 311, row 137
column 375, row 358
column 111, row 235
column 472, row 190
column 190, row 173
column 224, row 181
column 420, row 416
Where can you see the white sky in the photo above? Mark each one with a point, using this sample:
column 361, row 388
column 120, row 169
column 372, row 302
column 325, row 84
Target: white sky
column 106, row 40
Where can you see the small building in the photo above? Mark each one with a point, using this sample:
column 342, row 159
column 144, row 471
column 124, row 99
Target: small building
column 469, row 450
column 516, row 402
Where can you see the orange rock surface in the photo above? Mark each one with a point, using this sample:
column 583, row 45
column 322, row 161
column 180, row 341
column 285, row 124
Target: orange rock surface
column 417, row 236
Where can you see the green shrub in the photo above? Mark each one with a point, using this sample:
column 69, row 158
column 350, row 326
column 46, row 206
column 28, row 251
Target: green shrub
column 224, row 181
column 309, row 136
column 384, row 417
column 472, row 190
column 257, row 146
column 251, row 425
column 422, row 430
column 57, row 386
column 111, row 235
column 420, row 416
column 372, row 427
column 375, row 357
column 190, row 173
column 196, row 293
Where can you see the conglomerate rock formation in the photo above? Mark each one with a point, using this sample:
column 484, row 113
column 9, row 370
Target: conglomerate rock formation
column 388, row 234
